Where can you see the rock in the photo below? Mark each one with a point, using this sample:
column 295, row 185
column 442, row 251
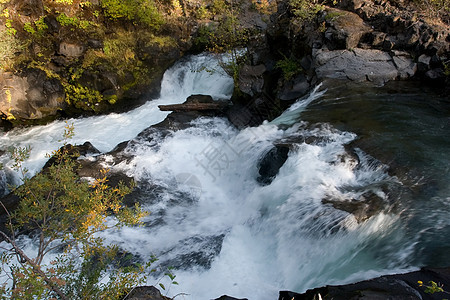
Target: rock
column 357, row 65
column 393, row 287
column 74, row 152
column 145, row 293
column 95, row 44
column 71, row 50
column 251, row 80
column 435, row 74
column 423, row 63
column 32, row 95
column 405, row 65
column 271, row 162
column 346, row 29
column 294, row 89
column 367, row 205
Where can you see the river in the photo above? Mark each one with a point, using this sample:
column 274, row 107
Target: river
column 226, row 233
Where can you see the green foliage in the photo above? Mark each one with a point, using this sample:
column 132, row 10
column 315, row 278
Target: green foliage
column 142, row 12
column 29, row 28
column 8, row 46
column 203, row 39
column 219, row 7
column 289, row 67
column 432, row 287
column 39, row 28
column 304, row 10
column 64, row 212
column 67, row 2
column 447, row 69
column 230, row 37
column 74, row 22
column 81, row 96
column 202, row 13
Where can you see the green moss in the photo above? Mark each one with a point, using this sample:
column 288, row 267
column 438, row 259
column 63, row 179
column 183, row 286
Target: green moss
column 74, row 22
column 143, row 12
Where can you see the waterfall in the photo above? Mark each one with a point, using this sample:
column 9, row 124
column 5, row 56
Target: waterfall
column 187, row 77
column 222, row 230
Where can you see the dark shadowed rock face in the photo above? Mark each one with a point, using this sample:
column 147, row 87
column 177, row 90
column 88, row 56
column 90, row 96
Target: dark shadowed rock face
column 392, row 287
column 271, row 163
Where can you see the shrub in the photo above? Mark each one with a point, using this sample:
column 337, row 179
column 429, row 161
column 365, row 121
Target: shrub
column 64, row 212
column 289, row 67
column 137, row 11
column 304, row 10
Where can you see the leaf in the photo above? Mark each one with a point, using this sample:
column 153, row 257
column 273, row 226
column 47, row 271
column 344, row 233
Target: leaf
column 162, row 286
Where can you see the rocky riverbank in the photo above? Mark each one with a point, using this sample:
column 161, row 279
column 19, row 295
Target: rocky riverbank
column 355, row 40
column 69, row 59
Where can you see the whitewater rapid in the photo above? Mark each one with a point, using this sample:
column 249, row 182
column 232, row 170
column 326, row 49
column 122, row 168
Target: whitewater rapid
column 222, row 231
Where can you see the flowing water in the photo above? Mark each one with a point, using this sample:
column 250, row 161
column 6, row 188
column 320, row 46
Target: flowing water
column 226, row 233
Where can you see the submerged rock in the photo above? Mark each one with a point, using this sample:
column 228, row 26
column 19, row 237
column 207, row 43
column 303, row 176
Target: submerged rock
column 362, row 208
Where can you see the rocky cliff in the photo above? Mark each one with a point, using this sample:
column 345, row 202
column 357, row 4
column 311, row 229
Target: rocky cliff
column 356, row 40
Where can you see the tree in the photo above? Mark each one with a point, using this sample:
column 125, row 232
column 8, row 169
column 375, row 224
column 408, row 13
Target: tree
column 63, row 212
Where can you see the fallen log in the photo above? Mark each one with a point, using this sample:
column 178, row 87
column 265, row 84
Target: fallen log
column 216, row 106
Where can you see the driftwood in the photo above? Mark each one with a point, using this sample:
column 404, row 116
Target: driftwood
column 216, row 106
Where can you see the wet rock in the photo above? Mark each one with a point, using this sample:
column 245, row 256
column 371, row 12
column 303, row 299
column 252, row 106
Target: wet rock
column 74, row 152
column 146, row 293
column 257, row 110
column 271, row 163
column 393, row 287
column 362, row 208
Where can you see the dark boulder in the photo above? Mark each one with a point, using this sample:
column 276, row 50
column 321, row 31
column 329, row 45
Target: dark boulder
column 294, row 88
column 74, row 151
column 251, row 79
column 392, row 287
column 271, row 163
